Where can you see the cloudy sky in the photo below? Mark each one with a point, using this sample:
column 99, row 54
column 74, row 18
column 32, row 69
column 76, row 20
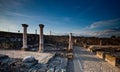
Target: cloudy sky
column 81, row 17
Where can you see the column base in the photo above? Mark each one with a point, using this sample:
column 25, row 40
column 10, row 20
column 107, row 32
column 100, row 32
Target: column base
column 24, row 49
column 40, row 51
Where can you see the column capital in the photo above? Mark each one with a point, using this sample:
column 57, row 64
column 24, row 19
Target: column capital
column 24, row 25
column 41, row 25
column 70, row 34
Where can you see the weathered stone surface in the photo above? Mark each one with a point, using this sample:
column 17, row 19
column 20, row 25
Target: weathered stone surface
column 50, row 70
column 110, row 59
column 30, row 64
column 28, row 59
column 57, row 64
column 100, row 54
column 9, row 64
column 3, row 56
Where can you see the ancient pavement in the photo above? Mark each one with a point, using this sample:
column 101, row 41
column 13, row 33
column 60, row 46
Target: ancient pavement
column 85, row 61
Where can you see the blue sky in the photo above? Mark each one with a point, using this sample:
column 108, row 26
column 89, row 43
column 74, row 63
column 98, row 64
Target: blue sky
column 81, row 17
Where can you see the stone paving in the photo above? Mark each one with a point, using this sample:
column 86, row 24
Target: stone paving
column 85, row 61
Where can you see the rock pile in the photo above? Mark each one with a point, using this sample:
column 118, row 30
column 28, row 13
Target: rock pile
column 57, row 64
column 9, row 64
column 30, row 64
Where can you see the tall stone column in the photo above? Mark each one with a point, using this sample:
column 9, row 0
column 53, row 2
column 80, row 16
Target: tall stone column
column 41, row 39
column 70, row 42
column 24, row 37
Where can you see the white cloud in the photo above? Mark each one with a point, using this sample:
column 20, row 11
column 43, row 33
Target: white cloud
column 104, row 33
column 108, row 32
column 104, row 23
column 82, row 32
column 88, row 31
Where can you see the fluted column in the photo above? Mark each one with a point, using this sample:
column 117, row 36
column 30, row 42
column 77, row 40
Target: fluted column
column 24, row 36
column 41, row 39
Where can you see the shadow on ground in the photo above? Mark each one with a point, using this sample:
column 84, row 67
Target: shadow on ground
column 70, row 66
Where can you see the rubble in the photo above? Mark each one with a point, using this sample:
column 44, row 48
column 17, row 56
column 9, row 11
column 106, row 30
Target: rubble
column 57, row 64
column 9, row 64
column 41, row 57
column 3, row 56
column 30, row 64
column 28, row 59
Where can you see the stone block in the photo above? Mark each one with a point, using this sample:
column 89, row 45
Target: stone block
column 100, row 54
column 28, row 59
column 3, row 56
column 111, row 59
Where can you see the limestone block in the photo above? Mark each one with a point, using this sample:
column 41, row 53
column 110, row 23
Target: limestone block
column 110, row 59
column 100, row 54
column 28, row 59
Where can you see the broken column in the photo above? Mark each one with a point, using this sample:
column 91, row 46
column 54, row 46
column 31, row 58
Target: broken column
column 24, row 36
column 70, row 42
column 41, row 40
column 100, row 42
column 75, row 41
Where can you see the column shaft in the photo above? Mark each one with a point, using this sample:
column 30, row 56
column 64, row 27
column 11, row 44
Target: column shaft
column 41, row 39
column 24, row 36
column 70, row 42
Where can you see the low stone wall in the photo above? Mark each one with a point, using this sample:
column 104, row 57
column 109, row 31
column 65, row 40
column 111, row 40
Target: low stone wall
column 91, row 48
column 100, row 54
column 111, row 59
column 109, row 53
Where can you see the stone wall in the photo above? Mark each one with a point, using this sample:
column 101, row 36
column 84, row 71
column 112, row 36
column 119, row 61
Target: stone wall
column 108, row 52
column 14, row 40
column 9, row 40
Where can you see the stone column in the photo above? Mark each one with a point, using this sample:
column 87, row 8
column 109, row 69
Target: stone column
column 41, row 40
column 24, row 36
column 70, row 42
